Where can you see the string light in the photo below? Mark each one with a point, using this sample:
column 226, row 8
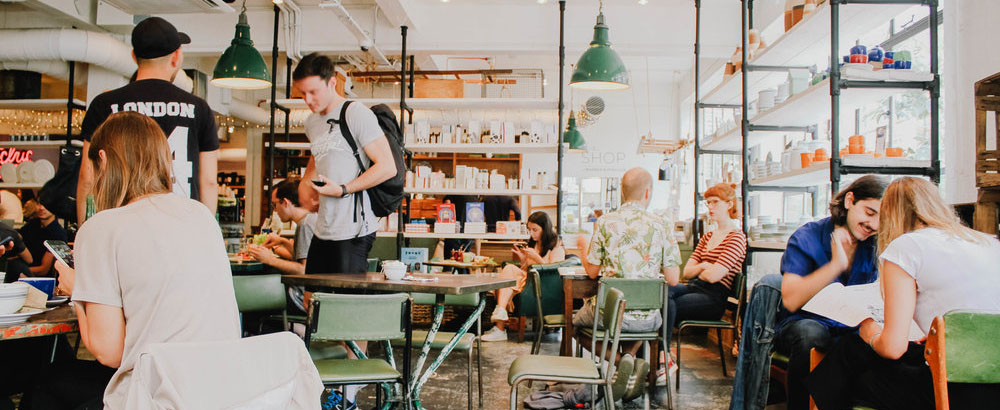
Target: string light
column 33, row 122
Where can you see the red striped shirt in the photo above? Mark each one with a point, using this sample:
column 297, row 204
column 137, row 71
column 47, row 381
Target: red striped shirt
column 729, row 253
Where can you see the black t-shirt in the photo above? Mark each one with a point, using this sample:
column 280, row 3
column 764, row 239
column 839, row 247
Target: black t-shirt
column 15, row 267
column 34, row 235
column 186, row 120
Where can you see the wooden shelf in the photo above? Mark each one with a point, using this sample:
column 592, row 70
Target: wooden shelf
column 819, row 174
column 767, row 245
column 444, row 103
column 485, row 148
column 18, row 185
column 486, row 192
column 38, row 104
column 39, row 144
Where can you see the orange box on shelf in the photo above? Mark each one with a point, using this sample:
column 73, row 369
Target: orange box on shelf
column 893, row 152
column 806, row 159
column 856, row 140
column 820, row 155
column 855, row 149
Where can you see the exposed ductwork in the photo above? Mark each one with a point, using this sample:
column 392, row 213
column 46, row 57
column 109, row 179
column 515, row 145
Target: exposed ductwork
column 365, row 41
column 292, row 28
column 52, row 68
column 67, row 45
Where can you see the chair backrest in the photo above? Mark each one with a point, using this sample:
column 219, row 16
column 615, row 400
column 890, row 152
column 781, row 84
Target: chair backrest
column 612, row 317
column 549, row 288
column 642, row 294
column 358, row 317
column 274, row 371
column 972, row 353
column 469, row 300
column 259, row 293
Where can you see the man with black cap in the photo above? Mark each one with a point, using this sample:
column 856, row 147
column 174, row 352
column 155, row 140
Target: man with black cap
column 186, row 120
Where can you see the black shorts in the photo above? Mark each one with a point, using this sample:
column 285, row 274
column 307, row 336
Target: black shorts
column 346, row 256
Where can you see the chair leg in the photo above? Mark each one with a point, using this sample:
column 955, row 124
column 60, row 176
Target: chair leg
column 378, row 396
column 468, row 380
column 513, row 396
column 479, row 359
column 722, row 357
column 537, row 345
column 652, row 370
column 609, row 399
column 521, row 321
column 678, row 359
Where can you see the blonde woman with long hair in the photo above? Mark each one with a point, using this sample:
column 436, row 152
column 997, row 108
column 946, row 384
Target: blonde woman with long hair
column 931, row 264
column 151, row 267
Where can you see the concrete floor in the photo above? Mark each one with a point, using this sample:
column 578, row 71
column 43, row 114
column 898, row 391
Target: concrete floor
column 702, row 384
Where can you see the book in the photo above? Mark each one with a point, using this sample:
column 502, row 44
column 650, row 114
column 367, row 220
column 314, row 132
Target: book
column 851, row 305
column 475, row 212
column 446, row 212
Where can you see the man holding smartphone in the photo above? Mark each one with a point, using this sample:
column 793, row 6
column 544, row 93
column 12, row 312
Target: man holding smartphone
column 333, row 184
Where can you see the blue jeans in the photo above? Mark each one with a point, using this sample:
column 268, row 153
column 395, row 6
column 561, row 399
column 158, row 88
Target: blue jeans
column 687, row 302
column 753, row 365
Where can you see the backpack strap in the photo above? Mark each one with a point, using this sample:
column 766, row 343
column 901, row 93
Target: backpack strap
column 345, row 131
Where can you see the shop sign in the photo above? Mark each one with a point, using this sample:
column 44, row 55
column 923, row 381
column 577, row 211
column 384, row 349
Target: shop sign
column 15, row 156
column 604, row 163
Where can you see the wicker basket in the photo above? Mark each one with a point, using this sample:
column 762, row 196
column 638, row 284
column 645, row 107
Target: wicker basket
column 424, row 314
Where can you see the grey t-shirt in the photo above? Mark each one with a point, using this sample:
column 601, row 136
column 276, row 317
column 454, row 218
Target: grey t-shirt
column 304, row 236
column 162, row 260
column 339, row 218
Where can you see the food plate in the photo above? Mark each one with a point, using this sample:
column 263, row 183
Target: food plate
column 26, row 172
column 8, row 172
column 44, row 170
column 18, row 318
column 56, row 301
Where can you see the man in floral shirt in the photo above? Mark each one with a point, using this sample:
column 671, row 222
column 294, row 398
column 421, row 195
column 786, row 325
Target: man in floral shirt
column 635, row 243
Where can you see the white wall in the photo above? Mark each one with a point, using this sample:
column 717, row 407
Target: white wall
column 970, row 54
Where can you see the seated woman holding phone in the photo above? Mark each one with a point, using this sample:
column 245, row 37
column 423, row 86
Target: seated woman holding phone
column 543, row 247
column 150, row 267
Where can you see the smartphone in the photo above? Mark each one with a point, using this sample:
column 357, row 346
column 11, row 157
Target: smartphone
column 318, row 182
column 5, row 241
column 61, row 251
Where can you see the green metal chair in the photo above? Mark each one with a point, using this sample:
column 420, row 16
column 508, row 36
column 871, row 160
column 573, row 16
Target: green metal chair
column 576, row 369
column 526, row 303
column 642, row 294
column 441, row 339
column 735, row 301
column 336, row 318
column 266, row 293
column 962, row 348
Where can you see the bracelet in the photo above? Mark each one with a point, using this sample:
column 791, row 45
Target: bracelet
column 871, row 340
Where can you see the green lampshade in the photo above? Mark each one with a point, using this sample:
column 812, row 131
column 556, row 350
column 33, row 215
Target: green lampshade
column 573, row 136
column 241, row 66
column 600, row 67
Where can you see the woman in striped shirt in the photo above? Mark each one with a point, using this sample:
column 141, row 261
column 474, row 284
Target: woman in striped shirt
column 711, row 271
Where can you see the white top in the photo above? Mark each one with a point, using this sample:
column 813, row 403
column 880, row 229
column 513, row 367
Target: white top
column 162, row 260
column 951, row 273
column 335, row 161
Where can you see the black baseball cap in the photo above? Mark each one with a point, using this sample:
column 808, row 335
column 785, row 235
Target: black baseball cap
column 155, row 37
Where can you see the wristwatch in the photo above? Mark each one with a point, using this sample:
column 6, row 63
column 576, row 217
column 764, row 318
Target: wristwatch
column 344, row 189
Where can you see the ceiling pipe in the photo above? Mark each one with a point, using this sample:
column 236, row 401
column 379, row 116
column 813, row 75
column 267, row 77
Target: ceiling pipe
column 52, row 68
column 67, row 45
column 292, row 29
column 364, row 40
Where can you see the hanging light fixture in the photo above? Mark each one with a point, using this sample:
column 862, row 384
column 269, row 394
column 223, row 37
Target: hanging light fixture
column 241, row 65
column 666, row 170
column 600, row 67
column 573, row 136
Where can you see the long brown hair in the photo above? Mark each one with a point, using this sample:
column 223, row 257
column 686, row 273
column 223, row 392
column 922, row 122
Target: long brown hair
column 549, row 239
column 910, row 201
column 137, row 162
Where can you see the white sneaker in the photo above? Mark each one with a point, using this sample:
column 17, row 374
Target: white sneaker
column 494, row 335
column 499, row 315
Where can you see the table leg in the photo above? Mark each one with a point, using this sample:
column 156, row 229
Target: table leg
column 447, row 349
column 55, row 345
column 426, row 348
column 566, row 348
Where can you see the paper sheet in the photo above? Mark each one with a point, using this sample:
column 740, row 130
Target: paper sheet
column 851, row 305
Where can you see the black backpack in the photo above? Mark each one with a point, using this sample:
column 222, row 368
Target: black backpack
column 58, row 195
column 387, row 196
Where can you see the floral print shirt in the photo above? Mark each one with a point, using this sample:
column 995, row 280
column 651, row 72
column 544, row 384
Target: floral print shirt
column 634, row 243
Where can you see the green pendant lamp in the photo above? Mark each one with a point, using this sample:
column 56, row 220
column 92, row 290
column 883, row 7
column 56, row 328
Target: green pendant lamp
column 573, row 136
column 241, row 67
column 600, row 67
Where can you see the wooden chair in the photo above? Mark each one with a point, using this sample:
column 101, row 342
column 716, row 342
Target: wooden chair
column 962, row 348
column 735, row 303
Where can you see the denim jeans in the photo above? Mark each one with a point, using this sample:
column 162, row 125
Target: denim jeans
column 753, row 365
column 687, row 302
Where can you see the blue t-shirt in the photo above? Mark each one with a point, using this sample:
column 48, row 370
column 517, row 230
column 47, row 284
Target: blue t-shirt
column 809, row 249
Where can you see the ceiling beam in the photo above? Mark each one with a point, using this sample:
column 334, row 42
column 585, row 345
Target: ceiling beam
column 398, row 12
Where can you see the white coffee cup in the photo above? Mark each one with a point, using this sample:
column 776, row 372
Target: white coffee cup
column 393, row 270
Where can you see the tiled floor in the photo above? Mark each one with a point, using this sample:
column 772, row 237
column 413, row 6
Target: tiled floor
column 702, row 384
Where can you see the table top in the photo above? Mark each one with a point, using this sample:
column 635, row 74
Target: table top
column 447, row 284
column 456, row 264
column 52, row 322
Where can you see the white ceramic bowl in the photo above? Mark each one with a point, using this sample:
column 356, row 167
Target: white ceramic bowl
column 14, row 295
column 394, row 272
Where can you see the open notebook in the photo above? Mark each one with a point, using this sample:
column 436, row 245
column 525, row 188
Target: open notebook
column 851, row 305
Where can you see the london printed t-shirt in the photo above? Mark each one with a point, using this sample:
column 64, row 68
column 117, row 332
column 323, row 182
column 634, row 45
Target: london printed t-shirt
column 343, row 218
column 185, row 119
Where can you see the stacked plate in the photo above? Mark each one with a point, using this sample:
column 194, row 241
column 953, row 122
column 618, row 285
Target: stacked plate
column 12, row 296
column 27, row 172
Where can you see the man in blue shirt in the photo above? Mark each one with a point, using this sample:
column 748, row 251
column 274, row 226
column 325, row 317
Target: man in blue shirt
column 839, row 248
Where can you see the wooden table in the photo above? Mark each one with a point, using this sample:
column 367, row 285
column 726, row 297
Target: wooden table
column 575, row 286
column 472, row 267
column 446, row 284
column 55, row 322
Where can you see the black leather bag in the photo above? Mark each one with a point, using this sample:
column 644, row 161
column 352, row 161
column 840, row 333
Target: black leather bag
column 58, row 195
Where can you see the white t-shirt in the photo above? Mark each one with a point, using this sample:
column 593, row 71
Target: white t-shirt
column 163, row 261
column 951, row 273
column 335, row 161
column 303, row 237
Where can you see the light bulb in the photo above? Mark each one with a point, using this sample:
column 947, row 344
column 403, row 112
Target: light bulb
column 643, row 2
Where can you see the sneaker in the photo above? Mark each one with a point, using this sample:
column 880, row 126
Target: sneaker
column 499, row 315
column 640, row 374
column 661, row 373
column 494, row 335
column 623, row 377
column 332, row 400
